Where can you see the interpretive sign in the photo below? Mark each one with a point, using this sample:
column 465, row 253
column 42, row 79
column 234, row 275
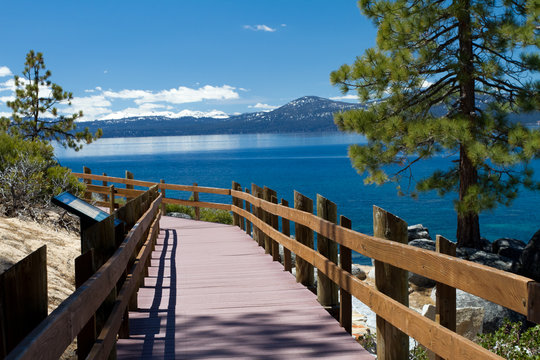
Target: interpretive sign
column 87, row 212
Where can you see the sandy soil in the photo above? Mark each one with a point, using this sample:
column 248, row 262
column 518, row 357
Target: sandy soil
column 20, row 238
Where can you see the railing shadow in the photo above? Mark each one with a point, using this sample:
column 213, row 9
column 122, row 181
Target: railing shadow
column 154, row 313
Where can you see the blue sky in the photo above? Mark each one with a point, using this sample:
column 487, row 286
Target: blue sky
column 145, row 57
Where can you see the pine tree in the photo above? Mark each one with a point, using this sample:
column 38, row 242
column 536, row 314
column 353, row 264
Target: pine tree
column 477, row 60
column 35, row 115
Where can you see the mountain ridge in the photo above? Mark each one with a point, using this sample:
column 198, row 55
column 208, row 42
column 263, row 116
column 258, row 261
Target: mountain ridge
column 302, row 115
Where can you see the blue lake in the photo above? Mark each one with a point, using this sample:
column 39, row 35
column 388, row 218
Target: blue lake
column 307, row 163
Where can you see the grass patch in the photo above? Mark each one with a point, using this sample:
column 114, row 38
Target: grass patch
column 209, row 215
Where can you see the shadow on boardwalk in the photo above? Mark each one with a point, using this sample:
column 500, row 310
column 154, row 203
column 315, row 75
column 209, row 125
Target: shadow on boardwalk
column 212, row 293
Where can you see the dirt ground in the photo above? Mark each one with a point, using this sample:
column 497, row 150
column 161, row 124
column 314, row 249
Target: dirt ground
column 20, row 238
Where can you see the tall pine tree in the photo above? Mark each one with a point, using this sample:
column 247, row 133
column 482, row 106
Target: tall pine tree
column 475, row 59
column 35, row 114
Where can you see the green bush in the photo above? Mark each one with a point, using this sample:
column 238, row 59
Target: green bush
column 210, row 215
column 30, row 176
column 509, row 342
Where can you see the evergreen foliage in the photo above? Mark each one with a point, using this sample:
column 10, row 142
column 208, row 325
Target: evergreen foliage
column 30, row 176
column 35, row 115
column 511, row 343
column 477, row 58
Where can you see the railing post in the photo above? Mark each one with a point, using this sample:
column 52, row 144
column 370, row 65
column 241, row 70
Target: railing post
column 286, row 230
column 101, row 237
column 111, row 199
column 163, row 206
column 258, row 236
column 23, row 301
column 327, row 290
column 235, row 202
column 392, row 344
column 445, row 295
column 87, row 194
column 248, row 209
column 196, row 198
column 304, row 235
column 129, row 176
column 105, row 196
column 275, row 225
column 84, row 269
column 267, row 218
column 345, row 300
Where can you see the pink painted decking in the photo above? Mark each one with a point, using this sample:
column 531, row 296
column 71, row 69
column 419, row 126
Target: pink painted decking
column 212, row 293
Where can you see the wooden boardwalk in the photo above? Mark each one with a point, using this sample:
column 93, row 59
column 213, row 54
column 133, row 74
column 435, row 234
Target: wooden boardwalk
column 212, row 293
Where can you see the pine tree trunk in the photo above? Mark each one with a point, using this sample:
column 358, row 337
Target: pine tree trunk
column 468, row 227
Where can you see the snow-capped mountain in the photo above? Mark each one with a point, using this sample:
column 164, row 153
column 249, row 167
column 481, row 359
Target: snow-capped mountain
column 306, row 114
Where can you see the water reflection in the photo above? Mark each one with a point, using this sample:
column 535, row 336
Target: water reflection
column 202, row 143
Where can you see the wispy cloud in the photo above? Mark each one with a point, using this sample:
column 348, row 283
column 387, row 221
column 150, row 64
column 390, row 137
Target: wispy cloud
column 261, row 27
column 136, row 102
column 345, row 97
column 262, row 106
column 97, row 103
column 4, row 71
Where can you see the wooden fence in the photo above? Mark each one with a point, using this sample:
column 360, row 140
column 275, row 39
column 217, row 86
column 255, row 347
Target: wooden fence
column 96, row 313
column 258, row 213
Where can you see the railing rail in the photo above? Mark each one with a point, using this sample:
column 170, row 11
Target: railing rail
column 509, row 290
column 54, row 334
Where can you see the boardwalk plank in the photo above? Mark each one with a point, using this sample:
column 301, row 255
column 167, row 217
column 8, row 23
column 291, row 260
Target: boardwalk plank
column 212, row 293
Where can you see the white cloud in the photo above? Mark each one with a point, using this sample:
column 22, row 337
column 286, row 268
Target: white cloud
column 5, row 114
column 283, row 25
column 345, row 97
column 426, row 84
column 145, row 111
column 261, row 27
column 262, row 106
column 6, row 98
column 8, row 85
column 93, row 107
column 99, row 104
column 4, row 71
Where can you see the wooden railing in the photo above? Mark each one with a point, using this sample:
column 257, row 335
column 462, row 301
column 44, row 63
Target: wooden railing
column 259, row 217
column 118, row 277
column 261, row 212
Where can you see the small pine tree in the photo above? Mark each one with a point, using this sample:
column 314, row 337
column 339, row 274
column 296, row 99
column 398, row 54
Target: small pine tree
column 441, row 80
column 35, row 115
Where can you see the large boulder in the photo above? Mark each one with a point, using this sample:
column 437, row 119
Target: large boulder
column 418, row 231
column 510, row 248
column 469, row 320
column 530, row 258
column 494, row 314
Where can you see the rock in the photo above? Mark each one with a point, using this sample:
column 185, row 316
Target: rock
column 179, row 215
column 493, row 260
column 371, row 274
column 485, row 245
column 416, row 279
column 358, row 272
column 493, row 314
column 421, row 281
column 510, row 248
column 426, row 244
column 418, row 232
column 530, row 258
column 469, row 320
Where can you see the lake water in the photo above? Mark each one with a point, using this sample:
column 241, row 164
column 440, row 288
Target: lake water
column 307, row 163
